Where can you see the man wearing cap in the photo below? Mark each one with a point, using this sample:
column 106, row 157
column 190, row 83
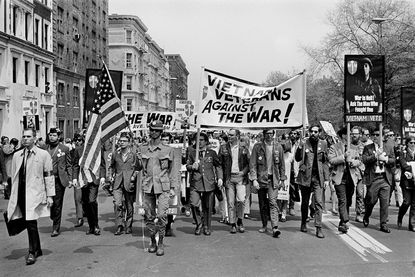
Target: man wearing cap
column 62, row 170
column 379, row 164
column 123, row 169
column 157, row 184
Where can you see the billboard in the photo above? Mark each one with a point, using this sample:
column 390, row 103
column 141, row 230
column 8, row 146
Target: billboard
column 364, row 87
column 408, row 111
column 91, row 85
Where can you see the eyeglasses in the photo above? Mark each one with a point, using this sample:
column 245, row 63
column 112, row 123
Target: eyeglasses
column 367, row 134
column 376, row 135
column 411, row 142
column 314, row 132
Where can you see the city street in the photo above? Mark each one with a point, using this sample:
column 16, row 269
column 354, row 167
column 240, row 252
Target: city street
column 361, row 252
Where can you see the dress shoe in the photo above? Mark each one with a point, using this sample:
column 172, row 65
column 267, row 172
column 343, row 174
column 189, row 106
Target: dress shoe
column 365, row 221
column 241, row 228
column 128, row 231
column 246, row 216
column 119, row 231
column 97, row 231
column 169, row 232
column 160, row 248
column 319, row 233
column 399, row 223
column 304, row 228
column 384, row 228
column 359, row 218
column 342, row 228
column 263, row 230
column 38, row 253
column 90, row 231
column 233, row 229
column 198, row 230
column 55, row 233
column 283, row 219
column 80, row 223
column 276, row 232
column 30, row 259
column 153, row 245
column 292, row 212
column 206, row 231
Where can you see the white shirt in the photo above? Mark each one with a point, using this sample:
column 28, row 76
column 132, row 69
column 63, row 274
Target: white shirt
column 235, row 153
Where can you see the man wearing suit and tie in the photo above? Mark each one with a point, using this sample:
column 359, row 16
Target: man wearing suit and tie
column 379, row 164
column 32, row 190
column 62, row 170
column 123, row 168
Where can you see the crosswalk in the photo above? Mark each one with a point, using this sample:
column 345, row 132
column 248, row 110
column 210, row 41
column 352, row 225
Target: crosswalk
column 364, row 245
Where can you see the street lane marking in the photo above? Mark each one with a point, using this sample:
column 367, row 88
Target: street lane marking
column 359, row 241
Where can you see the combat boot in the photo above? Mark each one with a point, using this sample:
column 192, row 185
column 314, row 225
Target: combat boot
column 160, row 248
column 153, row 245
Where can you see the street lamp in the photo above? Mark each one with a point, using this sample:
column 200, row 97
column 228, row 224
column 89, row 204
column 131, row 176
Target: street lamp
column 379, row 21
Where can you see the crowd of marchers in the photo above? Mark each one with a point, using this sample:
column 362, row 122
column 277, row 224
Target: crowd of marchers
column 218, row 178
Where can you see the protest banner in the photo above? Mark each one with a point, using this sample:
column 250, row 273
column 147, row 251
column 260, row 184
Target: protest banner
column 407, row 111
column 328, row 128
column 140, row 120
column 364, row 88
column 226, row 102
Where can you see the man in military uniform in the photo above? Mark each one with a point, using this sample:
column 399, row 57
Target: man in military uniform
column 157, row 185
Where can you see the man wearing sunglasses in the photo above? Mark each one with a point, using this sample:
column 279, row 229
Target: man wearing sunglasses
column 379, row 164
column 268, row 175
column 313, row 176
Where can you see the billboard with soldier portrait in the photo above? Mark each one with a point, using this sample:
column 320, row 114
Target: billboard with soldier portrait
column 364, row 88
column 408, row 111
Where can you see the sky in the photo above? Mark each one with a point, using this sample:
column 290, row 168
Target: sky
column 247, row 39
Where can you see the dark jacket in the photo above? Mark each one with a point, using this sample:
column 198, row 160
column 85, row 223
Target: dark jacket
column 62, row 163
column 225, row 157
column 306, row 163
column 123, row 170
column 258, row 164
column 205, row 178
column 404, row 158
column 76, row 169
column 370, row 161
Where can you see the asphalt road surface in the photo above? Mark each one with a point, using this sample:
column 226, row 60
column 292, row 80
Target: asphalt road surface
column 360, row 252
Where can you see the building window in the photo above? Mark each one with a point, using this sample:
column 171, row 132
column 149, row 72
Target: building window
column 60, row 19
column 128, row 83
column 36, row 32
column 45, row 37
column 128, row 58
column 37, row 68
column 75, row 96
column 75, row 61
column 61, row 124
column 60, row 53
column 26, row 72
column 128, row 34
column 15, row 60
column 27, row 26
column 60, row 94
column 15, row 20
column 76, row 126
column 129, row 104
column 46, row 75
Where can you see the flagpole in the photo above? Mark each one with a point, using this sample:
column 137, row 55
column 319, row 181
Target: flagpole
column 116, row 96
column 304, row 100
column 198, row 122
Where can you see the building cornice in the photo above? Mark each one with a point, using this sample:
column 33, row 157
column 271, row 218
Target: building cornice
column 28, row 45
column 135, row 19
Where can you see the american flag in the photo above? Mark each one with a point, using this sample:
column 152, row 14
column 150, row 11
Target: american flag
column 106, row 120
